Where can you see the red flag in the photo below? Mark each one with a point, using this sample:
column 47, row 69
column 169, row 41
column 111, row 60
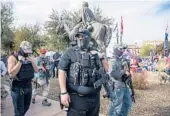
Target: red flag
column 121, row 25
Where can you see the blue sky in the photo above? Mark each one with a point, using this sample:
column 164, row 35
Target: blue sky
column 143, row 20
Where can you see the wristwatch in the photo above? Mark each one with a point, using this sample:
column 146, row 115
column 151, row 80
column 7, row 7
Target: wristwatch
column 64, row 93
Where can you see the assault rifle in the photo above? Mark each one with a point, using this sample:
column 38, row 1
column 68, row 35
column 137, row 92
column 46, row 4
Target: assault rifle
column 128, row 79
column 45, row 64
column 105, row 81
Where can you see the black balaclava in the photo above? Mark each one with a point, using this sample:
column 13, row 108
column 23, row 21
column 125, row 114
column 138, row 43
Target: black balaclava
column 85, row 42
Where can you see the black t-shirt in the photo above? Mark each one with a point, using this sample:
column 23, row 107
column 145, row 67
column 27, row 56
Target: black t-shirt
column 56, row 56
column 66, row 59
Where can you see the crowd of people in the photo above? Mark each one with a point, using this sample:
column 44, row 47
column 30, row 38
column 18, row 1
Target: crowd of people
column 74, row 68
column 82, row 71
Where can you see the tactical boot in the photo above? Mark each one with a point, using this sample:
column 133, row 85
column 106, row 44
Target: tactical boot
column 46, row 103
column 33, row 100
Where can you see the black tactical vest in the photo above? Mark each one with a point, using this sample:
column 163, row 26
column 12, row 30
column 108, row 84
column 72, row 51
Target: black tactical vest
column 26, row 71
column 81, row 74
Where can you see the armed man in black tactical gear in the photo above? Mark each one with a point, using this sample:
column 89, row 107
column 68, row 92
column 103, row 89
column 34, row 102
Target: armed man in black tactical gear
column 121, row 94
column 77, row 76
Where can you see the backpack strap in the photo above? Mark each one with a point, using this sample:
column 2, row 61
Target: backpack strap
column 77, row 51
column 16, row 56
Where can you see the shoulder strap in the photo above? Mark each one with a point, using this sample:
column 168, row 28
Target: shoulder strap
column 77, row 51
column 16, row 56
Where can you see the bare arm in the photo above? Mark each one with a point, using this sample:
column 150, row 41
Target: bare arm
column 13, row 66
column 62, row 81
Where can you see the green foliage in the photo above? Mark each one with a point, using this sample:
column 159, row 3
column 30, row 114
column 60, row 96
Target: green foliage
column 145, row 49
column 6, row 21
column 160, row 48
column 31, row 34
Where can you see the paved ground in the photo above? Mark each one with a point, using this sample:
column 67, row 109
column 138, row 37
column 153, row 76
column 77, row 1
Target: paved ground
column 36, row 109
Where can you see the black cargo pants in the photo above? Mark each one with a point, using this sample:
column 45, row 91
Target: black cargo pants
column 84, row 105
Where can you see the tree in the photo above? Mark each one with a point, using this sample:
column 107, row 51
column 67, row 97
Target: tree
column 56, row 31
column 31, row 34
column 160, row 48
column 145, row 49
column 6, row 21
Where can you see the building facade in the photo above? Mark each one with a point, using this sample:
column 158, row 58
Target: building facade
column 153, row 42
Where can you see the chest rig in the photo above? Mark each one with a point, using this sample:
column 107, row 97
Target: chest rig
column 82, row 71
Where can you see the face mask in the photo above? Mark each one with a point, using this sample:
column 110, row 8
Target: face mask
column 118, row 52
column 84, row 43
column 21, row 52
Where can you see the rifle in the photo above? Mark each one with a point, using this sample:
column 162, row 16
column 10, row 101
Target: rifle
column 105, row 81
column 46, row 73
column 128, row 79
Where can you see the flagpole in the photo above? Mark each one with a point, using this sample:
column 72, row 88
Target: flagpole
column 117, row 33
column 121, row 38
column 121, row 33
column 166, row 44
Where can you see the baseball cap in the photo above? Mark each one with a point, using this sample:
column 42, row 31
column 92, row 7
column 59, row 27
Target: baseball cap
column 26, row 47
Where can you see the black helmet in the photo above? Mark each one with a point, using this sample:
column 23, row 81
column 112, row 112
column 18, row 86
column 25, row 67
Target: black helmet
column 125, row 46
